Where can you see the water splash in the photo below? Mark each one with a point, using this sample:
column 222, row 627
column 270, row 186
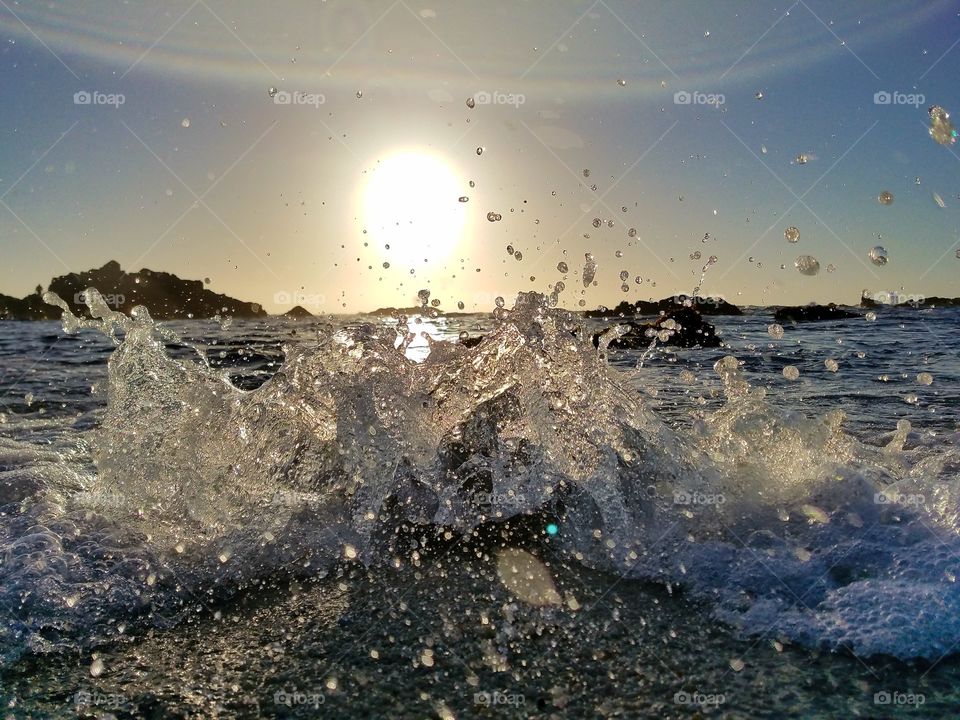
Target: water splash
column 200, row 489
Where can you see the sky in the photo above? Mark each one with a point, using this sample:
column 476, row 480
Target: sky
column 277, row 150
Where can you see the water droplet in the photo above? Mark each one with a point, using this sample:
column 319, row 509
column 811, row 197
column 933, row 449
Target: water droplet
column 885, row 198
column 758, row 95
column 941, row 129
column 463, row 198
column 878, row 255
column 632, row 232
column 471, row 103
column 562, row 267
column 736, row 664
column 624, row 275
column 479, row 151
column 586, row 172
column 925, row 378
column 791, row 373
column 621, row 82
column 386, row 266
column 589, row 269
column 597, row 222
column 460, row 305
column 492, row 216
column 870, row 316
column 807, row 265
column 775, row 331
column 359, row 94
column 518, row 256
column 349, row 552
column 185, row 122
column 272, row 91
column 96, row 667
column 791, row 234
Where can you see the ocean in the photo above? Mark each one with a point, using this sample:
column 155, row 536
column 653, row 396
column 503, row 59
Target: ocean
column 343, row 517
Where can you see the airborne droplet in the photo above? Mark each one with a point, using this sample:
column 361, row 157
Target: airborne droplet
column 885, row 198
column 878, row 255
column 807, row 265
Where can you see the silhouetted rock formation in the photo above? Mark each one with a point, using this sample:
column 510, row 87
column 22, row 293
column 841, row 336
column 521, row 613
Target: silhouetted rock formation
column 703, row 305
column 297, row 312
column 406, row 312
column 812, row 313
column 165, row 295
column 684, row 327
column 32, row 307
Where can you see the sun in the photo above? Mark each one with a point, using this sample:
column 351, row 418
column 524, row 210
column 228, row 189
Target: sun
column 412, row 203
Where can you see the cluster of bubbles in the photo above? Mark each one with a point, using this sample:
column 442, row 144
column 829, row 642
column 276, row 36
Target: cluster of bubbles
column 494, row 216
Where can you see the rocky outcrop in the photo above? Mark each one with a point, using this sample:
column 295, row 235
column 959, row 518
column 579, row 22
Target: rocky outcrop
column 702, row 305
column 682, row 327
column 298, row 312
column 164, row 294
column 812, row 313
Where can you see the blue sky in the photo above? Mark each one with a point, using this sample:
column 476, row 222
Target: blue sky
column 270, row 200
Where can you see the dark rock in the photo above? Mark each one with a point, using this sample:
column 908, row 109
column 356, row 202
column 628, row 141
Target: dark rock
column 691, row 331
column 703, row 305
column 297, row 312
column 165, row 295
column 32, row 307
column 406, row 312
column 935, row 301
column 812, row 313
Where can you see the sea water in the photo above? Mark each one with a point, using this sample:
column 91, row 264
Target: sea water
column 358, row 515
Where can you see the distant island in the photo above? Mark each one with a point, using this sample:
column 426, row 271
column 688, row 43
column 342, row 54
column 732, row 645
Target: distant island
column 167, row 296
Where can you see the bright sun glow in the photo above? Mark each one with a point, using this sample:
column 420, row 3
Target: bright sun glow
column 412, row 204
